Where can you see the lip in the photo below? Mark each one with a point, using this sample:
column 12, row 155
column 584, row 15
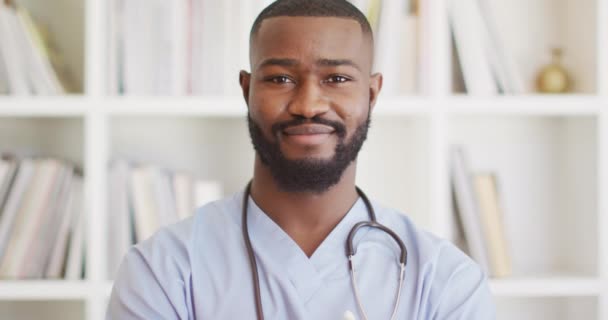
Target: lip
column 308, row 134
column 308, row 129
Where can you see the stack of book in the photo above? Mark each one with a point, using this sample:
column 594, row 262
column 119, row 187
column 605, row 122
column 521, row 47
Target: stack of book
column 194, row 47
column 179, row 47
column 41, row 219
column 25, row 57
column 395, row 27
column 480, row 216
column 486, row 63
column 143, row 198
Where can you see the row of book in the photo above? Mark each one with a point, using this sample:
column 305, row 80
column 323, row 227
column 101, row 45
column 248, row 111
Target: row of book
column 395, row 24
column 479, row 217
column 179, row 47
column 26, row 59
column 41, row 219
column 184, row 47
column 143, row 198
column 485, row 65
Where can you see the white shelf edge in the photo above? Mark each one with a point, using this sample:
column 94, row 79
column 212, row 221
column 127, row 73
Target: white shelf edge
column 45, row 290
column 223, row 106
column 547, row 287
column 231, row 106
column 55, row 106
column 525, row 105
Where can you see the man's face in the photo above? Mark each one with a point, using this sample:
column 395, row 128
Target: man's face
column 310, row 95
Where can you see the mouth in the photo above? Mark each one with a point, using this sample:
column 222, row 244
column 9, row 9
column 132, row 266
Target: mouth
column 308, row 134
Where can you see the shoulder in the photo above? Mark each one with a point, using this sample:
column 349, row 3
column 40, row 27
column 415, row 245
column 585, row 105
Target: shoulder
column 448, row 280
column 425, row 249
column 175, row 242
column 155, row 277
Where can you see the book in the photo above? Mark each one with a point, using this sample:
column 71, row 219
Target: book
column 209, row 43
column 8, row 169
column 42, row 74
column 146, row 214
column 469, row 32
column 57, row 256
column 19, row 190
column 120, row 218
column 43, row 237
column 36, row 203
column 373, row 13
column 183, row 186
column 25, row 59
column 145, row 197
column 388, row 54
column 4, row 85
column 35, row 218
column 409, row 55
column 75, row 259
column 501, row 61
column 467, row 207
column 14, row 59
column 492, row 225
column 162, row 186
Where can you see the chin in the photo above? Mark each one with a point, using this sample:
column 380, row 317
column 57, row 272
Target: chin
column 316, row 153
column 313, row 157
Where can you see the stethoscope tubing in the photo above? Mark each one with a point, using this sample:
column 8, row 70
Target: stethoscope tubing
column 350, row 253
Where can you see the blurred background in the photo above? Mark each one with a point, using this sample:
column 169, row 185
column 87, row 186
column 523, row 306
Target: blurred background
column 120, row 116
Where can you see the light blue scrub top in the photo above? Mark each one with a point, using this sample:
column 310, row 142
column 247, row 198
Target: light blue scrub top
column 199, row 269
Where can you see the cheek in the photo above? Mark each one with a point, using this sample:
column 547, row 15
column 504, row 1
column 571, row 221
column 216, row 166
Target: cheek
column 264, row 116
column 353, row 116
column 263, row 105
column 353, row 112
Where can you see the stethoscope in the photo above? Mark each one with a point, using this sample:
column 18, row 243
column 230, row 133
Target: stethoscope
column 350, row 253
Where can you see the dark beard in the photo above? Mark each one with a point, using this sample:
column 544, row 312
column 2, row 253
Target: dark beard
column 307, row 175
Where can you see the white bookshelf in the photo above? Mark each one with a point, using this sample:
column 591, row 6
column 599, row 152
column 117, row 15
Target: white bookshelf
column 550, row 152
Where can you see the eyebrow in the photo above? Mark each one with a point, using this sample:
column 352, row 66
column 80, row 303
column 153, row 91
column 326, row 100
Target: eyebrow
column 286, row 62
column 337, row 62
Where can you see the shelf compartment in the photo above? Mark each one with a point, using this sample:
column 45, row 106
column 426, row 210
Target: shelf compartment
column 546, row 168
column 400, row 145
column 220, row 149
column 529, row 30
column 60, row 137
column 62, row 21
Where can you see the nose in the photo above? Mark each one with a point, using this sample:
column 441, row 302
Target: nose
column 308, row 101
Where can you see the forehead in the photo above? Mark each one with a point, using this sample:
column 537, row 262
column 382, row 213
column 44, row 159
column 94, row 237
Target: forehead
column 305, row 38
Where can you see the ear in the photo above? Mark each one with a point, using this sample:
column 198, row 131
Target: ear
column 375, row 85
column 244, row 80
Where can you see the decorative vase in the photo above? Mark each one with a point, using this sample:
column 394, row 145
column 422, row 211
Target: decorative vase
column 553, row 78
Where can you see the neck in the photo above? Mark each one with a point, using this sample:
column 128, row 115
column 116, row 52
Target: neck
column 306, row 217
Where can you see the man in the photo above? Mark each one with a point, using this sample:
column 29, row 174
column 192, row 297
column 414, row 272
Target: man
column 310, row 95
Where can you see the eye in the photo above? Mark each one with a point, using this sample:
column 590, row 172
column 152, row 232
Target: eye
column 279, row 79
column 337, row 79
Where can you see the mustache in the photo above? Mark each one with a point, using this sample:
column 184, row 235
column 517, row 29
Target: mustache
column 338, row 126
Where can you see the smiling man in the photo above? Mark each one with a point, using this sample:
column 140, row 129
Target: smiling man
column 283, row 247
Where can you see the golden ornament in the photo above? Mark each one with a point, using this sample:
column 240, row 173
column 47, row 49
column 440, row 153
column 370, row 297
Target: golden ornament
column 553, row 78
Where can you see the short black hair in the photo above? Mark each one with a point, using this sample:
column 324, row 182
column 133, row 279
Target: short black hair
column 312, row 8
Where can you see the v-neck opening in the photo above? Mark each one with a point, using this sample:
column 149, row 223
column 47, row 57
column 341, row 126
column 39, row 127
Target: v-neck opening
column 273, row 246
column 336, row 237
